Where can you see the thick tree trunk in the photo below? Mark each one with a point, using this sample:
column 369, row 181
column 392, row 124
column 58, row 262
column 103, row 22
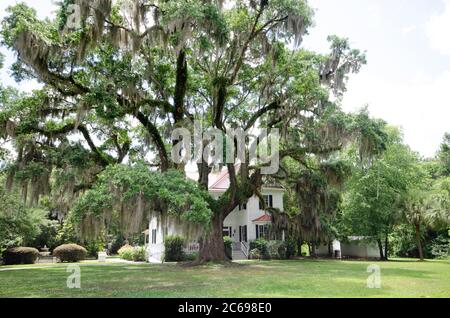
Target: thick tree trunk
column 386, row 248
column 380, row 247
column 180, row 87
column 212, row 247
column 419, row 242
column 330, row 249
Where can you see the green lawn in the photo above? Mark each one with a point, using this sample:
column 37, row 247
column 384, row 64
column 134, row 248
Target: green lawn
column 299, row 278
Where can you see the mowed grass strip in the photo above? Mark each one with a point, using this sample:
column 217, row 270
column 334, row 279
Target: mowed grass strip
column 296, row 278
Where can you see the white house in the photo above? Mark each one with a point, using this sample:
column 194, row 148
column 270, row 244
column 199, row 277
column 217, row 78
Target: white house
column 245, row 224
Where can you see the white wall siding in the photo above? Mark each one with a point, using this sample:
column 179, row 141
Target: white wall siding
column 155, row 251
column 245, row 217
column 360, row 250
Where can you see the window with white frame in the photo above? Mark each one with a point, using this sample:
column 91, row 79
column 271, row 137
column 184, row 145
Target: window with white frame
column 262, row 231
column 268, row 200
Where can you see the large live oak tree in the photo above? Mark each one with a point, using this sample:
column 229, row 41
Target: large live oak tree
column 120, row 78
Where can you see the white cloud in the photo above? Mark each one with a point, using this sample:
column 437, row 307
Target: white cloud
column 438, row 30
column 421, row 106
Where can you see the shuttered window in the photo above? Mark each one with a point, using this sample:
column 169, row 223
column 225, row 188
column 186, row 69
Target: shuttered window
column 268, row 200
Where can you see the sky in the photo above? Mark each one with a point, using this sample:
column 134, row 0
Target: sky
column 407, row 42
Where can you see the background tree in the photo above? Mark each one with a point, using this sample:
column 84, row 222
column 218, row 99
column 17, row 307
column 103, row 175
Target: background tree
column 425, row 209
column 19, row 225
column 444, row 155
column 373, row 200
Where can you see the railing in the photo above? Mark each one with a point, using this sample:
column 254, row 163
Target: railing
column 244, row 248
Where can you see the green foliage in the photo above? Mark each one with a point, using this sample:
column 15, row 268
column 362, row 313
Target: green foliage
column 123, row 82
column 372, row 136
column 20, row 255
column 261, row 245
column 70, row 253
column 139, row 254
column 48, row 235
column 444, row 156
column 126, row 252
column 190, row 257
column 116, row 244
column 94, row 246
column 291, row 248
column 228, row 242
column 174, row 249
column 19, row 225
column 276, row 249
column 66, row 234
column 121, row 184
column 403, row 241
column 440, row 247
column 373, row 200
column 255, row 254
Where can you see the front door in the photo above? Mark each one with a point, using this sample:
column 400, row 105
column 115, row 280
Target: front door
column 243, row 233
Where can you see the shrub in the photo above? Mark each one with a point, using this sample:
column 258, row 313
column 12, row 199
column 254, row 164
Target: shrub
column 282, row 250
column 228, row 242
column 20, row 255
column 139, row 254
column 173, row 249
column 255, row 254
column 126, row 252
column 93, row 247
column 440, row 247
column 191, row 256
column 272, row 248
column 48, row 235
column 402, row 242
column 291, row 248
column 116, row 244
column 261, row 245
column 71, row 253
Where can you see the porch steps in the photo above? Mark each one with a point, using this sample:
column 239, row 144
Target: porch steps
column 238, row 255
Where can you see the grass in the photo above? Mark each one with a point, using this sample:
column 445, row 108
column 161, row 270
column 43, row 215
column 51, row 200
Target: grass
column 296, row 278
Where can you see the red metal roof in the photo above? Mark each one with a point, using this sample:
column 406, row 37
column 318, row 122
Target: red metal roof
column 264, row 218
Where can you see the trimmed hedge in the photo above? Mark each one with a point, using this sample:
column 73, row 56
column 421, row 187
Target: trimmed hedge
column 139, row 254
column 272, row 249
column 126, row 252
column 173, row 249
column 190, row 257
column 70, row 253
column 262, row 246
column 20, row 255
column 255, row 254
column 130, row 253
